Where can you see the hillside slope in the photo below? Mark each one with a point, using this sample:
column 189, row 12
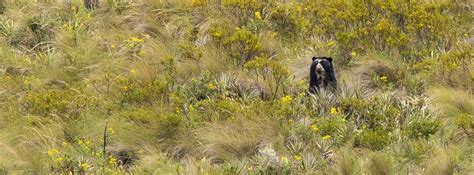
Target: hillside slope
column 220, row 87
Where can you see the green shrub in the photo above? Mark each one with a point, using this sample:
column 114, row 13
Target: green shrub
column 466, row 123
column 289, row 20
column 54, row 102
column 263, row 70
column 375, row 112
column 132, row 90
column 201, row 88
column 243, row 45
column 375, row 139
column 422, row 129
column 330, row 125
column 140, row 115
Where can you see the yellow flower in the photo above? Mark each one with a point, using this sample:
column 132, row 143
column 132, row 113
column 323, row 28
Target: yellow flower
column 177, row 110
column 326, row 137
column 333, row 110
column 133, row 71
column 59, row 159
column 286, row 99
column 64, row 144
column 258, row 15
column 26, row 82
column 85, row 166
column 53, row 152
column 113, row 46
column 353, row 54
column 136, row 40
column 217, row 34
column 110, row 130
column 466, row 35
column 112, row 160
column 383, row 78
column 297, row 157
column 315, row 128
column 284, row 159
column 211, row 86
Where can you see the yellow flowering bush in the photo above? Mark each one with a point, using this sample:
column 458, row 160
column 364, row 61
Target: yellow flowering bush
column 134, row 45
column 132, row 90
column 55, row 102
column 290, row 19
column 243, row 45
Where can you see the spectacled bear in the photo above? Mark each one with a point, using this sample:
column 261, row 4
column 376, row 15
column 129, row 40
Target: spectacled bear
column 322, row 75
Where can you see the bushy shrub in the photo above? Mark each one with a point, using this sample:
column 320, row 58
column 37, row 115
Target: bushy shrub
column 269, row 72
column 290, row 20
column 375, row 139
column 135, row 91
column 201, row 87
column 330, row 125
column 422, row 129
column 243, row 45
column 451, row 68
column 55, row 102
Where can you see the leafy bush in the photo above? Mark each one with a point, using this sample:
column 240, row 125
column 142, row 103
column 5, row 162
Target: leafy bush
column 373, row 139
column 270, row 72
column 422, row 129
column 140, row 115
column 135, row 91
column 55, row 102
column 243, row 45
column 289, row 20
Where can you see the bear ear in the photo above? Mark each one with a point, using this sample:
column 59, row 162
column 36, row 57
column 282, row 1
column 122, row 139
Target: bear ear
column 314, row 58
column 329, row 59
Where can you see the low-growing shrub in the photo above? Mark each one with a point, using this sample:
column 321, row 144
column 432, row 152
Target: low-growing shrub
column 422, row 129
column 375, row 139
column 268, row 72
column 243, row 45
column 55, row 102
column 135, row 91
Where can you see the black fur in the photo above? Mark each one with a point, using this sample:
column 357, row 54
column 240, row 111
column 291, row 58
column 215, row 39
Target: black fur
column 330, row 77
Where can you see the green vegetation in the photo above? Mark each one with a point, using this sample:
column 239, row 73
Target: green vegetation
column 219, row 87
